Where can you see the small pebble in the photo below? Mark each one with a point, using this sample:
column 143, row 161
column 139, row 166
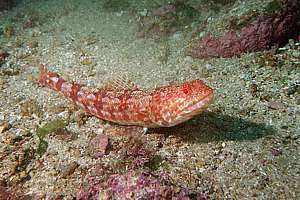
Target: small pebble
column 98, row 146
column 30, row 107
column 69, row 169
column 253, row 89
column 4, row 126
column 296, row 54
column 32, row 44
column 29, row 23
column 3, row 55
column 276, row 152
column 276, row 105
column 86, row 61
column 3, row 84
column 62, row 134
column 8, row 31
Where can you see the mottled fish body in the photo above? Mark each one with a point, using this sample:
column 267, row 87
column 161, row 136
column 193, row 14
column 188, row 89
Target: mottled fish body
column 127, row 105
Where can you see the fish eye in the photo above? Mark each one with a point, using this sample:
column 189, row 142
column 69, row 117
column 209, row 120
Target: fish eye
column 186, row 89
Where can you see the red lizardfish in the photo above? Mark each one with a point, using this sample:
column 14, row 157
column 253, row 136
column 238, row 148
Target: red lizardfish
column 123, row 103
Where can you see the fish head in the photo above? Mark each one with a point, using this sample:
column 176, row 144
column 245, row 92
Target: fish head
column 179, row 103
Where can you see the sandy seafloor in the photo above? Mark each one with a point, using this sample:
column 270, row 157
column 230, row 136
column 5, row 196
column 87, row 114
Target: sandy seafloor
column 241, row 148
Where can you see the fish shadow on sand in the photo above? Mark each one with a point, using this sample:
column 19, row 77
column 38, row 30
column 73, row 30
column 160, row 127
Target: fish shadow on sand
column 209, row 127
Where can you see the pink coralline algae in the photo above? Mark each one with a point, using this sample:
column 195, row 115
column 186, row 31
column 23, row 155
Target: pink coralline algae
column 136, row 185
column 266, row 31
column 99, row 146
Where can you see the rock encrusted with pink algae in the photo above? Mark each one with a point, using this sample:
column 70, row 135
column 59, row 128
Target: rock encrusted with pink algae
column 98, row 146
column 135, row 185
column 266, row 31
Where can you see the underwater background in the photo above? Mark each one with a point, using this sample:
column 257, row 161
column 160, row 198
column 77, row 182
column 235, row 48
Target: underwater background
column 246, row 145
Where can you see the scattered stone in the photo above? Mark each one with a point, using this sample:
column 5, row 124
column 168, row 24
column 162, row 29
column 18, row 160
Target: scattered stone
column 8, row 31
column 6, row 193
column 81, row 117
column 223, row 144
column 32, row 44
column 253, row 89
column 10, row 137
column 20, row 164
column 99, row 146
column 11, row 71
column 3, row 83
column 4, row 126
column 57, row 109
column 30, row 107
column 62, row 134
column 86, row 61
column 293, row 88
column 298, row 100
column 29, row 23
column 7, row 138
column 276, row 152
column 67, row 170
column 3, row 55
column 125, row 130
column 164, row 11
column 276, row 105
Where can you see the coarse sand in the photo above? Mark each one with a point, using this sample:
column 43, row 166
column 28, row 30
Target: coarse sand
column 245, row 146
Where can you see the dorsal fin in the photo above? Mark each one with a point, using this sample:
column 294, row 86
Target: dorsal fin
column 119, row 82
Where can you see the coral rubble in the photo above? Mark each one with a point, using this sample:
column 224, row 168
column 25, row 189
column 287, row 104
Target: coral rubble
column 266, row 31
column 135, row 185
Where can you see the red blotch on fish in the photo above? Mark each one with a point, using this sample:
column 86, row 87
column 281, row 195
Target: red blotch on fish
column 122, row 102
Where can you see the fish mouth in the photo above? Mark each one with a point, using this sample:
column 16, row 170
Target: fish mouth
column 193, row 109
column 198, row 106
